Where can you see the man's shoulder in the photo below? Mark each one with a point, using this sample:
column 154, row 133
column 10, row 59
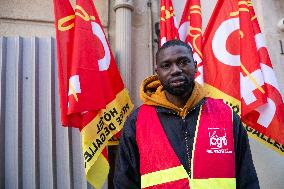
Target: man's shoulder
column 134, row 114
column 130, row 123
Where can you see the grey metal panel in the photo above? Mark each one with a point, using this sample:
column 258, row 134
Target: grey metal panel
column 79, row 179
column 12, row 113
column 62, row 140
column 35, row 150
column 29, row 112
column 104, row 186
column 2, row 110
column 45, row 116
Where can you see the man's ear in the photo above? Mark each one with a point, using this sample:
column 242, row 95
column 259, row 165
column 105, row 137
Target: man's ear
column 156, row 69
column 195, row 65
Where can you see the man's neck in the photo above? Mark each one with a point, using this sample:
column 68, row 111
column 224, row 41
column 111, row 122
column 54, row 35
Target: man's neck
column 179, row 101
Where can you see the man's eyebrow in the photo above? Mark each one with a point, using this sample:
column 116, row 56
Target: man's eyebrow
column 165, row 62
column 184, row 57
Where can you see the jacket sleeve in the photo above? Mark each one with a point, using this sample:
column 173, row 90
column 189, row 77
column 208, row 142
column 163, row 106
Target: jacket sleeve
column 245, row 172
column 127, row 169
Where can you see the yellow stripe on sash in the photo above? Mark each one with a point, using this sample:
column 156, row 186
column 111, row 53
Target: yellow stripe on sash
column 213, row 183
column 163, row 176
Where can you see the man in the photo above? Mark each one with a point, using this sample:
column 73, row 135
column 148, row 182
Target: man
column 180, row 138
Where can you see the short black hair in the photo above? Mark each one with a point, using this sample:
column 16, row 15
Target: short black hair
column 171, row 43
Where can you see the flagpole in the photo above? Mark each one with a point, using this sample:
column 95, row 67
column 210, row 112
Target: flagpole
column 151, row 45
column 123, row 10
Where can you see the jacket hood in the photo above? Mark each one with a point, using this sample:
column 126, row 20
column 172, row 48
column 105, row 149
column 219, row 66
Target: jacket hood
column 152, row 93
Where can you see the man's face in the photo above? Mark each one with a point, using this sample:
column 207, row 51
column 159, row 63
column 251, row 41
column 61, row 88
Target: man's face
column 176, row 69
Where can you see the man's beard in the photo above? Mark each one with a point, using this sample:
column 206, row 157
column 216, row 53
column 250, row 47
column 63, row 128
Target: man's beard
column 181, row 90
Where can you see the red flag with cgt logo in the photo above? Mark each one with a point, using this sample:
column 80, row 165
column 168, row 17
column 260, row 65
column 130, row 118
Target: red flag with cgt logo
column 95, row 97
column 238, row 69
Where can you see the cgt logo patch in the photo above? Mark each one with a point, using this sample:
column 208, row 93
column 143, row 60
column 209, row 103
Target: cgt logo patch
column 218, row 143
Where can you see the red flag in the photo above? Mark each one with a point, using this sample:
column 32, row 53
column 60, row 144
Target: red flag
column 238, row 69
column 64, row 16
column 168, row 22
column 98, row 103
column 190, row 31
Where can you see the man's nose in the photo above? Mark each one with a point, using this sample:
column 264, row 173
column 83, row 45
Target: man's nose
column 176, row 69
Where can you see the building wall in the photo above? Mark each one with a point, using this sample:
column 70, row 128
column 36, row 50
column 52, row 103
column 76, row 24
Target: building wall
column 35, row 18
column 26, row 18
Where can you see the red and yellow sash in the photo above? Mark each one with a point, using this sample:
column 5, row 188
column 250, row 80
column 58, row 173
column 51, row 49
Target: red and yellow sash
column 213, row 156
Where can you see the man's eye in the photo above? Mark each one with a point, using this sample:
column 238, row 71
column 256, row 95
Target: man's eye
column 183, row 62
column 165, row 66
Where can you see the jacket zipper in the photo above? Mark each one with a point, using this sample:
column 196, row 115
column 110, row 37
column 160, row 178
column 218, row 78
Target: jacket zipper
column 187, row 147
column 187, row 141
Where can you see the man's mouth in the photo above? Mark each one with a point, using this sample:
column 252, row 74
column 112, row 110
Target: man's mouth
column 177, row 82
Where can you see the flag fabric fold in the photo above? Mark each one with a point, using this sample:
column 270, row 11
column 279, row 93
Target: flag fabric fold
column 64, row 24
column 168, row 22
column 92, row 93
column 190, row 31
column 238, row 69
